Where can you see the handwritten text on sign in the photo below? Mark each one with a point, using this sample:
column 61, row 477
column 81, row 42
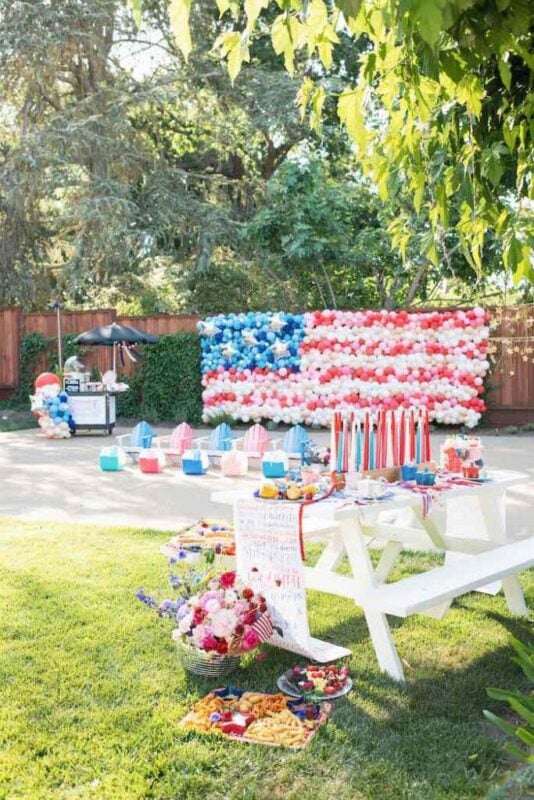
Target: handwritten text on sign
column 268, row 559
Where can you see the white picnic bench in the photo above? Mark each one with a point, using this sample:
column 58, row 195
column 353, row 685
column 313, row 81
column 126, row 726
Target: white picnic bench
column 466, row 522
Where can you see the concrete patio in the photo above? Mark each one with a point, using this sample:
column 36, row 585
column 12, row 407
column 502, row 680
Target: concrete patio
column 42, row 479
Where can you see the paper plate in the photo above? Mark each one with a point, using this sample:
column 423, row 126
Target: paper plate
column 287, row 688
column 385, row 496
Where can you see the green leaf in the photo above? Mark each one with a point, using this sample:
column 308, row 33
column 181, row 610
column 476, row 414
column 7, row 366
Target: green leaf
column 516, row 752
column 470, row 93
column 428, row 15
column 253, row 9
column 287, row 36
column 179, row 11
column 525, row 736
column 316, row 112
column 503, row 726
column 504, row 71
column 136, row 7
column 234, row 47
column 349, row 8
column 492, row 166
column 350, row 107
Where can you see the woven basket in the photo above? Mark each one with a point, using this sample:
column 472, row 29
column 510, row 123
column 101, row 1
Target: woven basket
column 212, row 665
column 209, row 665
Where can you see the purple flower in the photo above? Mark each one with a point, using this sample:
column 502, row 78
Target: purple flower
column 174, row 580
column 215, row 717
column 145, row 598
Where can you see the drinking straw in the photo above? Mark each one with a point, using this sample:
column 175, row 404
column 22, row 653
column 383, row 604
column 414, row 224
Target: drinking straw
column 428, row 453
column 372, row 444
column 352, row 456
column 378, row 442
column 346, row 444
column 358, row 448
column 333, row 440
column 394, row 443
column 386, row 446
column 402, row 438
column 418, row 441
column 339, row 462
column 366, row 442
column 411, row 425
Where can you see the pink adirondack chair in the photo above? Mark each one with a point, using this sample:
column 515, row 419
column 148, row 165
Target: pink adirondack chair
column 255, row 441
column 180, row 440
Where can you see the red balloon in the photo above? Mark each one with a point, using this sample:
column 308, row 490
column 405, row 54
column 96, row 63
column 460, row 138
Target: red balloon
column 47, row 379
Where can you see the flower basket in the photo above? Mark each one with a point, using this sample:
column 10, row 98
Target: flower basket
column 208, row 665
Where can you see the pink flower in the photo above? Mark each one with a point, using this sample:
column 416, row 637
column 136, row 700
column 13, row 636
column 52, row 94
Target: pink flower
column 223, row 623
column 250, row 640
column 209, row 642
column 185, row 623
column 212, row 605
column 199, row 634
column 227, row 579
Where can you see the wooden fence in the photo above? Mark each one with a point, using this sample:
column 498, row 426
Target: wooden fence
column 14, row 325
column 510, row 397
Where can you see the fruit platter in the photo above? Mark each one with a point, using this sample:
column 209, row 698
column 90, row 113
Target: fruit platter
column 292, row 490
column 316, row 682
column 256, row 717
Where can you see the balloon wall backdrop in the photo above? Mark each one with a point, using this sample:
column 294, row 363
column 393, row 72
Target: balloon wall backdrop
column 302, row 367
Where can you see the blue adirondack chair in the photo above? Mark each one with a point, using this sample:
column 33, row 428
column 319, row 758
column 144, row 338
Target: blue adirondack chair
column 139, row 438
column 296, row 443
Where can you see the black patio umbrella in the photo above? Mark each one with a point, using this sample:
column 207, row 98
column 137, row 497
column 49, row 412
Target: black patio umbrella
column 115, row 334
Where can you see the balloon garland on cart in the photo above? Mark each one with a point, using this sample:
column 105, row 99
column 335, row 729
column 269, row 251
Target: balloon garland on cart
column 51, row 407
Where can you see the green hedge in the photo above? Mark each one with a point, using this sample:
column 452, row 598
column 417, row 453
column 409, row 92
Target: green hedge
column 165, row 387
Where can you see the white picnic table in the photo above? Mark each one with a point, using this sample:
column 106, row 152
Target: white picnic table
column 467, row 522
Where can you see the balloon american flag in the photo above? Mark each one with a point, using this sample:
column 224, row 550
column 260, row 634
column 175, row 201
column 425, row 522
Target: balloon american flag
column 294, row 368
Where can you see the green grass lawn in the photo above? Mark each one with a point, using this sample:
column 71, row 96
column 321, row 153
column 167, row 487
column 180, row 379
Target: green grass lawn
column 91, row 689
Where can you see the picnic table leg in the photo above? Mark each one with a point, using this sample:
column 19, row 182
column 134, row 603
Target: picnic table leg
column 364, row 578
column 493, row 512
column 333, row 553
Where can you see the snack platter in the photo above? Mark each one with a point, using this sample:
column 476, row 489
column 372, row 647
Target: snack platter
column 205, row 533
column 256, row 718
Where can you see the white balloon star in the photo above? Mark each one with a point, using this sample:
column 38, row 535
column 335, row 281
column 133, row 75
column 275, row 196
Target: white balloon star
column 280, row 349
column 208, row 329
column 249, row 338
column 277, row 323
column 229, row 350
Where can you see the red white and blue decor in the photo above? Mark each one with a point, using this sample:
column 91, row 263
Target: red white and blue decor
column 296, row 368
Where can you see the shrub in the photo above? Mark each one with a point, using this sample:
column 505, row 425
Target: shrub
column 171, row 385
column 521, row 704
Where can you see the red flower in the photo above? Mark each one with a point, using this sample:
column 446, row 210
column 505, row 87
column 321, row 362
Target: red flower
column 198, row 616
column 247, row 593
column 262, row 607
column 239, row 629
column 249, row 618
column 222, row 646
column 209, row 642
column 261, row 656
column 227, row 580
